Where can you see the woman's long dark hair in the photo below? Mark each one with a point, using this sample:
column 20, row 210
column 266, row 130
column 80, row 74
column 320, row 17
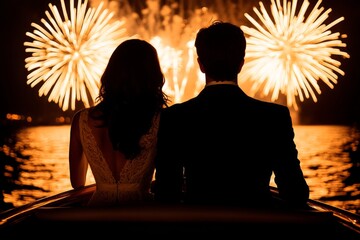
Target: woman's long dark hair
column 130, row 94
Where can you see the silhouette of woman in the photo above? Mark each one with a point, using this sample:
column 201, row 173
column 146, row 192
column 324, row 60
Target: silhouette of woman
column 117, row 137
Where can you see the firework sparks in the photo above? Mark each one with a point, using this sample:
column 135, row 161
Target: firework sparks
column 173, row 37
column 290, row 53
column 69, row 54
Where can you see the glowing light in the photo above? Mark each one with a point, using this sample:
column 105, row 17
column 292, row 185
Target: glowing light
column 177, row 66
column 69, row 54
column 287, row 53
column 13, row 116
column 290, row 53
column 173, row 36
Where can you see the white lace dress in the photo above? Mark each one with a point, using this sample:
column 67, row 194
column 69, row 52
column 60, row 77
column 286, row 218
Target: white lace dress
column 135, row 176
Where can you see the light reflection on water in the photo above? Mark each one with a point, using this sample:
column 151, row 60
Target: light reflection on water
column 326, row 163
column 322, row 151
column 47, row 170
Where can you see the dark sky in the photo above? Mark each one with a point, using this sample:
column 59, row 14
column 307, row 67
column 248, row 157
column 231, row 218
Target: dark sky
column 340, row 105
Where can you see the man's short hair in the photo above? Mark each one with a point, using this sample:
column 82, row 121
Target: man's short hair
column 221, row 49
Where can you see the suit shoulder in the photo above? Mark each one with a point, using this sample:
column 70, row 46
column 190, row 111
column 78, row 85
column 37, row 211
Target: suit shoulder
column 270, row 110
column 179, row 107
column 271, row 105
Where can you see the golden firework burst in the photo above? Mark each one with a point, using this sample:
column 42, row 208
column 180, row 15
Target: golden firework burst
column 69, row 53
column 289, row 53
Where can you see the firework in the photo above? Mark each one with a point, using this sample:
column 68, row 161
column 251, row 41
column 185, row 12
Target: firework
column 69, row 54
column 173, row 34
column 290, row 53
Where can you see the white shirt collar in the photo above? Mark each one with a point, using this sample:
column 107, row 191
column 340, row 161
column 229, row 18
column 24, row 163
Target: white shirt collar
column 221, row 83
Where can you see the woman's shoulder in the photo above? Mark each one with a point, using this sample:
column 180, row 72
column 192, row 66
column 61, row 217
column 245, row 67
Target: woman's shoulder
column 77, row 115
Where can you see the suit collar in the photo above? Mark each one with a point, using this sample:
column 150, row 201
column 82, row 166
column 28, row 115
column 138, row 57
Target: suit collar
column 222, row 89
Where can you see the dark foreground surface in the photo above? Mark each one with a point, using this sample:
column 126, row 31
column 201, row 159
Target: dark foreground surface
column 177, row 222
column 64, row 216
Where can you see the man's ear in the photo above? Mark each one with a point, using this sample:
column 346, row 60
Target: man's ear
column 241, row 65
column 201, row 66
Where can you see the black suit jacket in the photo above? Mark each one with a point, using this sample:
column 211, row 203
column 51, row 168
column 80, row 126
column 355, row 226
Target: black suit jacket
column 227, row 145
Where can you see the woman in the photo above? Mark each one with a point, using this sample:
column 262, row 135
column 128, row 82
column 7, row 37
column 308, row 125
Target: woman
column 117, row 137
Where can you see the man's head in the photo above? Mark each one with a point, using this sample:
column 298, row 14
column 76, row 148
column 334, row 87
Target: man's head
column 221, row 50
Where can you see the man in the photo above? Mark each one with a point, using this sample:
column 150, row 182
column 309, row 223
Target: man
column 222, row 146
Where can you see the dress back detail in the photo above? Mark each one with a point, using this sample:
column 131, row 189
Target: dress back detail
column 135, row 176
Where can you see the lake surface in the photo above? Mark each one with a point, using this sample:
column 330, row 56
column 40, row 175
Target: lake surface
column 329, row 159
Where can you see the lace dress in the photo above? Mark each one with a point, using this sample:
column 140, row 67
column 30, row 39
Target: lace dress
column 135, row 176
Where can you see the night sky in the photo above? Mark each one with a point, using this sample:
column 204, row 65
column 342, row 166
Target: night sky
column 340, row 105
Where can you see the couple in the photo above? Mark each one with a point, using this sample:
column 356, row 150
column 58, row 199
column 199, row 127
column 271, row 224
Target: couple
column 221, row 147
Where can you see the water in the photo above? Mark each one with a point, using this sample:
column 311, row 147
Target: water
column 327, row 155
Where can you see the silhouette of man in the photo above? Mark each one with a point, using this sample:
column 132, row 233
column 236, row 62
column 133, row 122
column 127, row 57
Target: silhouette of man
column 222, row 146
